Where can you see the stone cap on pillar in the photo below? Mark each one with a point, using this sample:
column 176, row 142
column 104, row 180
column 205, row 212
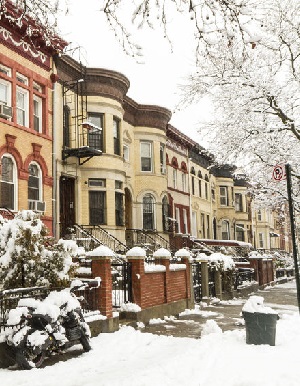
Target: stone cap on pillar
column 202, row 258
column 183, row 253
column 136, row 253
column 101, row 253
column 162, row 253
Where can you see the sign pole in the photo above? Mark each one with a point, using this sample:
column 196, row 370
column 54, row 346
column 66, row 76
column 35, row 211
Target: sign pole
column 293, row 231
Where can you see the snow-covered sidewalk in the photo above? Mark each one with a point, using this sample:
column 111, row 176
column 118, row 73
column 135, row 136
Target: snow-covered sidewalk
column 132, row 358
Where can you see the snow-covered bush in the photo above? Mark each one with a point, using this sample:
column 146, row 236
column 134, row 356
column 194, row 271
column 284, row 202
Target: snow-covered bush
column 29, row 258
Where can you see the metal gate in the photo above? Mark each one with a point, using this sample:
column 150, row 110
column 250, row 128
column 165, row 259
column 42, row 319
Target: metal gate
column 196, row 270
column 122, row 283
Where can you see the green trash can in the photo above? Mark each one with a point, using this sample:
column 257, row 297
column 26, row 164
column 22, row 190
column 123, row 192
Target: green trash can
column 260, row 328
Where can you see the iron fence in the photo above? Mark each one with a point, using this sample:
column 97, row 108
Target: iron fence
column 196, row 271
column 243, row 275
column 88, row 298
column 122, row 283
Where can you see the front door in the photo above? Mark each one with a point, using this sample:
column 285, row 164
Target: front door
column 67, row 204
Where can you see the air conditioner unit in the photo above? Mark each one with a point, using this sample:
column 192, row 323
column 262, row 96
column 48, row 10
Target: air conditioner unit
column 37, row 206
column 5, row 111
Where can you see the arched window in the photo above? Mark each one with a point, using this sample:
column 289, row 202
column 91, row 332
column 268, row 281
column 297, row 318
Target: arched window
column 34, row 183
column 148, row 212
column 8, row 192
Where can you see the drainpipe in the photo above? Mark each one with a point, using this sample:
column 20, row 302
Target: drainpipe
column 54, row 79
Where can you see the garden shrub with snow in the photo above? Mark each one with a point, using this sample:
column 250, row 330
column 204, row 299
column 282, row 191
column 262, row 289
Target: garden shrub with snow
column 29, row 258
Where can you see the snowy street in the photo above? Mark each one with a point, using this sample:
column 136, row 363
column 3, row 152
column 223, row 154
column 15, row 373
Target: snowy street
column 131, row 357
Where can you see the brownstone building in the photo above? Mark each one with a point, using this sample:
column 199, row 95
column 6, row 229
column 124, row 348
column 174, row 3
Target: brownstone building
column 26, row 125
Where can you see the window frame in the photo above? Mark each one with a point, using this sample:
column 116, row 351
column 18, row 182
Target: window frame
column 149, row 157
column 39, row 177
column 13, row 183
column 22, row 109
column 148, row 215
column 224, row 199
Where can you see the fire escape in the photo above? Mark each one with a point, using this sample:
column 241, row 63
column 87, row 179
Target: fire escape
column 79, row 132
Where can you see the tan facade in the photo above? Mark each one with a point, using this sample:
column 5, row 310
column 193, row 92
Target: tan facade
column 122, row 187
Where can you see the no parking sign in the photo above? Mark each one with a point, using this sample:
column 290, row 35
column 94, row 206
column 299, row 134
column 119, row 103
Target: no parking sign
column 279, row 173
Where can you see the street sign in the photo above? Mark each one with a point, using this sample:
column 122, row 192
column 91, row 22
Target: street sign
column 279, row 173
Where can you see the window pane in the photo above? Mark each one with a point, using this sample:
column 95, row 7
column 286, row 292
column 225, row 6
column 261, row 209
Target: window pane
column 3, row 92
column 119, row 209
column 97, row 208
column 148, row 212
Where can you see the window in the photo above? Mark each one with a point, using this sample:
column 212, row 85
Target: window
column 193, row 185
column 177, row 216
column 175, row 178
column 5, row 70
column 37, row 114
column 22, row 79
column 8, row 183
column 260, row 240
column 5, row 92
column 22, row 106
column 240, row 232
column 66, row 126
column 207, row 227
column 206, row 190
column 238, row 199
column 95, row 136
column 183, row 178
column 118, row 184
column 162, row 157
column 34, row 182
column 97, row 182
column 97, row 206
column 146, row 156
column 225, row 230
column 213, row 194
column 224, row 195
column 185, row 221
column 194, row 224
column 259, row 216
column 165, row 213
column 126, row 153
column 203, row 225
column 116, row 134
column 148, row 212
column 119, row 211
column 200, row 188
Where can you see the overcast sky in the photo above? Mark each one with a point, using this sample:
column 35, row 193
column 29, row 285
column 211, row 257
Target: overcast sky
column 153, row 81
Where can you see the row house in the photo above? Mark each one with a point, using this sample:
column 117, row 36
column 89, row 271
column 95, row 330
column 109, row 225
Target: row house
column 110, row 156
column 26, row 111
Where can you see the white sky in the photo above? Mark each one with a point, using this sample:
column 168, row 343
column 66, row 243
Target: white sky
column 153, row 82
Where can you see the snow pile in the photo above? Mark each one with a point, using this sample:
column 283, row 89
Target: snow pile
column 177, row 267
column 162, row 252
column 211, row 327
column 130, row 307
column 255, row 304
column 136, row 252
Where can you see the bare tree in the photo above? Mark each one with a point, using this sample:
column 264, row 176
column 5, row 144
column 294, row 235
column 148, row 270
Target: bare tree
column 256, row 92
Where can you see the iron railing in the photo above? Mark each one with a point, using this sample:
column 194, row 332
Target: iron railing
column 122, row 283
column 196, row 271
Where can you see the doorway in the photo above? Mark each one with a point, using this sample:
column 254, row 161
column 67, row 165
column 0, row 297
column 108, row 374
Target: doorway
column 67, row 204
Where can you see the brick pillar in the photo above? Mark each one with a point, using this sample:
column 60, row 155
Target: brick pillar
column 185, row 256
column 218, row 284
column 136, row 256
column 162, row 256
column 101, row 267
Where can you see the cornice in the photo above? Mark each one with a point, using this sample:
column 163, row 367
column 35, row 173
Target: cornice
column 146, row 115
